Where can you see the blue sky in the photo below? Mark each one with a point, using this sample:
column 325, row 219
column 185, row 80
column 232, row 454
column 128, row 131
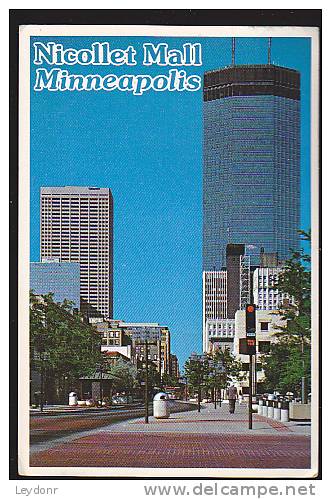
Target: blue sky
column 148, row 150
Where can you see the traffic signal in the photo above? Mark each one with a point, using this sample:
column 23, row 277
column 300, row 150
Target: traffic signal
column 247, row 346
column 250, row 319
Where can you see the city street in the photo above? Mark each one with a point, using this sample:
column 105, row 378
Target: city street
column 55, row 423
column 212, row 438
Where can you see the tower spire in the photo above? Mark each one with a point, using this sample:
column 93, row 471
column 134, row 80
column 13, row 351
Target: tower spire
column 233, row 51
column 269, row 50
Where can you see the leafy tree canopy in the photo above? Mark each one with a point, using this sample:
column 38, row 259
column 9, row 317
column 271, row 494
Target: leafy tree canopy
column 169, row 380
column 60, row 340
column 295, row 281
column 213, row 371
column 124, row 376
column 289, row 359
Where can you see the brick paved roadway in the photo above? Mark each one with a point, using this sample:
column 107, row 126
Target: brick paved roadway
column 211, row 439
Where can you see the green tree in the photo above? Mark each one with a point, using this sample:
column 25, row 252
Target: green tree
column 125, row 376
column 62, row 346
column 154, row 377
column 169, row 380
column 197, row 372
column 283, row 367
column 224, row 369
column 232, row 368
column 287, row 367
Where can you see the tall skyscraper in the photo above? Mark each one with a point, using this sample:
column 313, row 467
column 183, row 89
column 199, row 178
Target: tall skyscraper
column 234, row 255
column 76, row 225
column 251, row 177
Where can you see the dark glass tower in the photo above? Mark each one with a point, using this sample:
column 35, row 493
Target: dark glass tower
column 251, row 177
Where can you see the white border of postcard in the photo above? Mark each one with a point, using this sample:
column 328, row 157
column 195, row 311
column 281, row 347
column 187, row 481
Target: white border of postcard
column 24, row 243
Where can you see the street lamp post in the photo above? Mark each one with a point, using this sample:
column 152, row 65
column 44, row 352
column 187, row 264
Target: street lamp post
column 42, row 357
column 183, row 380
column 200, row 361
column 146, row 381
column 195, row 359
column 215, row 390
column 101, row 384
column 146, row 334
column 303, row 379
column 217, row 367
column 212, row 367
column 42, row 382
column 223, row 371
column 101, row 381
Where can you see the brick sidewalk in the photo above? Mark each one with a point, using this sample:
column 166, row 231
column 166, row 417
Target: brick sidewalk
column 213, row 438
column 171, row 450
column 217, row 421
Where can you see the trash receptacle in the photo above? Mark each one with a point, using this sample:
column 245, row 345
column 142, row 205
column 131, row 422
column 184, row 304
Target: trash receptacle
column 264, row 407
column 161, row 407
column 73, row 398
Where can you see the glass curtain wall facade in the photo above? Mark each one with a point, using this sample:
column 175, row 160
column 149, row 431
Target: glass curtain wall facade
column 61, row 279
column 251, row 177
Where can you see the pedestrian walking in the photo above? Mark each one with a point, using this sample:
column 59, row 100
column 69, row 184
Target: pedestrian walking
column 232, row 396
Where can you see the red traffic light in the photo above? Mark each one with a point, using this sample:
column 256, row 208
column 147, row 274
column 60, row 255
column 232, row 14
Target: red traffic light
column 250, row 319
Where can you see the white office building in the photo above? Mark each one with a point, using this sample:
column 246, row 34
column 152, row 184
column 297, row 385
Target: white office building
column 265, row 292
column 268, row 322
column 220, row 334
column 76, row 225
column 214, row 284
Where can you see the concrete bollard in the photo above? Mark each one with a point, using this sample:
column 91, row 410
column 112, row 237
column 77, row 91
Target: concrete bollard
column 270, row 409
column 260, row 407
column 277, row 406
column 284, row 412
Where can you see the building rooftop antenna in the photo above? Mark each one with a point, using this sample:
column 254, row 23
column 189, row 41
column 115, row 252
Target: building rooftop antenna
column 269, row 50
column 233, row 51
